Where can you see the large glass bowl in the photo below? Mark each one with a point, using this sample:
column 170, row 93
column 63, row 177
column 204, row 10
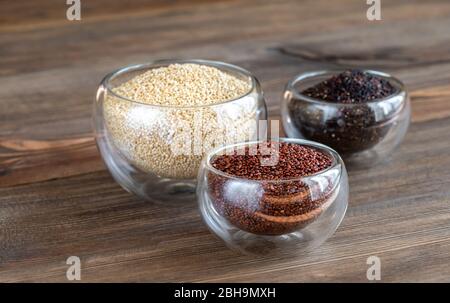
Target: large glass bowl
column 269, row 216
column 362, row 133
column 155, row 151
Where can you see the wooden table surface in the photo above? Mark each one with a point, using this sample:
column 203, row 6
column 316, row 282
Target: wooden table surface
column 57, row 199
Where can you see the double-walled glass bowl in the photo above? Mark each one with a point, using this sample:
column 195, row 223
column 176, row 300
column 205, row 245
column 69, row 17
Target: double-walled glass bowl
column 266, row 216
column 362, row 133
column 155, row 151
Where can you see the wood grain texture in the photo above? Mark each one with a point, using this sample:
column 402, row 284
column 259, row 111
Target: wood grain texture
column 57, row 199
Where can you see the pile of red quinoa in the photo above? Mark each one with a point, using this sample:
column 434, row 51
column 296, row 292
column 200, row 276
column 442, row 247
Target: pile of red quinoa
column 281, row 202
column 293, row 161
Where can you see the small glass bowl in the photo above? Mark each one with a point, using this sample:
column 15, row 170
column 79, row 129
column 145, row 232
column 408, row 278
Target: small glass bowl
column 268, row 216
column 361, row 133
column 154, row 151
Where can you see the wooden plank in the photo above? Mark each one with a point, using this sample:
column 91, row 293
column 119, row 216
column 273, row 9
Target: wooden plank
column 28, row 14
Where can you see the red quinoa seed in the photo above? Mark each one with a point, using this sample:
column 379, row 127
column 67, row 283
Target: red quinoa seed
column 271, row 200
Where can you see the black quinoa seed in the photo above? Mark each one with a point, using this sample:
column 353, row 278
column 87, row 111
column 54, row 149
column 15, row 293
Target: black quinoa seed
column 351, row 128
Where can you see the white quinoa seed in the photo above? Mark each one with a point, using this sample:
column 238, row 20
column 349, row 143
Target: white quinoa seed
column 183, row 85
column 146, row 134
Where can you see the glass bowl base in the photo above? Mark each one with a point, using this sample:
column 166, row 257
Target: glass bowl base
column 247, row 243
column 147, row 186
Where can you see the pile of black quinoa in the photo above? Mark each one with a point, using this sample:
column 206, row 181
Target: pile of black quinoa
column 353, row 127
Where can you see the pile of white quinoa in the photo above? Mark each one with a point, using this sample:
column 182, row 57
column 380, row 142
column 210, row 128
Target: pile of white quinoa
column 190, row 108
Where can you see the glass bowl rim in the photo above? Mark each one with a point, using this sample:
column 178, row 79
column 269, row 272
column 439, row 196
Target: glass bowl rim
column 337, row 160
column 290, row 87
column 106, row 82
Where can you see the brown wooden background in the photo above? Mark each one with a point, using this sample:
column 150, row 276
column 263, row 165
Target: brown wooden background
column 57, row 199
